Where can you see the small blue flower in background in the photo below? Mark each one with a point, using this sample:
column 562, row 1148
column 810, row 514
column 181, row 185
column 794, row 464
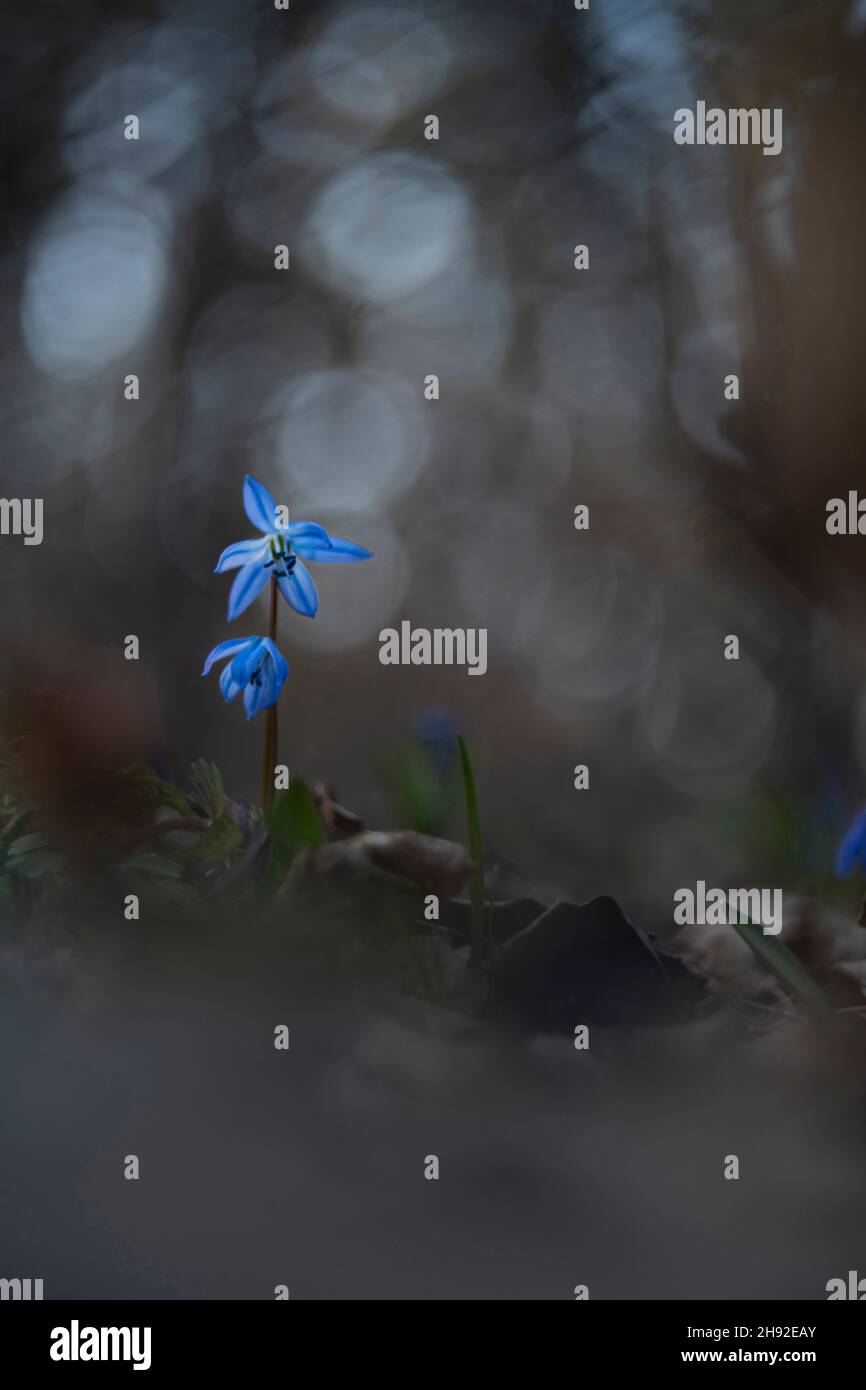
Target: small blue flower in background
column 436, row 730
column 257, row 668
column 853, row 848
column 280, row 552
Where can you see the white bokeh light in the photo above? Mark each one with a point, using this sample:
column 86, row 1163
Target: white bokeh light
column 169, row 113
column 373, row 63
column 388, row 226
column 602, row 357
column 601, row 636
column 348, row 439
column 462, row 322
column 703, row 357
column 708, row 721
column 95, row 280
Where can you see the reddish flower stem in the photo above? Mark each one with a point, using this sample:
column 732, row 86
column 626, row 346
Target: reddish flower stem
column 269, row 758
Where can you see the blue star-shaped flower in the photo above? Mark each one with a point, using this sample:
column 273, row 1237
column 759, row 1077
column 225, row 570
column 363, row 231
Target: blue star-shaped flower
column 853, row 848
column 280, row 552
column 257, row 668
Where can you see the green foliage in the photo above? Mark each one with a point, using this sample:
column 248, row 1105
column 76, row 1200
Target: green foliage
column 473, row 826
column 293, row 825
column 28, row 856
column 208, row 789
column 152, row 865
column 424, row 794
column 776, row 957
column 161, row 881
column 32, row 856
column 220, row 842
column 14, row 821
column 179, row 869
column 157, row 791
column 783, row 838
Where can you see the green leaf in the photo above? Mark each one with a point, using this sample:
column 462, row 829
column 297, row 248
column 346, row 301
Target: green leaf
column 473, row 826
column 164, row 888
column 31, row 856
column 293, row 825
column 424, row 796
column 208, row 789
column 776, row 957
column 36, row 864
column 12, row 824
column 25, row 844
column 152, row 866
column 221, row 842
column 162, row 880
column 162, row 792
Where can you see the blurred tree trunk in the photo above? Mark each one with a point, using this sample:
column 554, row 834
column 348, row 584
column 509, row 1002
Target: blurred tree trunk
column 801, row 421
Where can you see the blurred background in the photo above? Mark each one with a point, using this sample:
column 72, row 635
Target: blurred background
column 605, row 387
column 558, row 387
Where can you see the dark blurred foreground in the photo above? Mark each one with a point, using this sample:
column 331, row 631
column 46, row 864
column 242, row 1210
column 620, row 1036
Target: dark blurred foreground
column 306, row 1167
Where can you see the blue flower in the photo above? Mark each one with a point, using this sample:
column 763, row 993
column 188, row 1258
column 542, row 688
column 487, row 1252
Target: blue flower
column 436, row 730
column 280, row 552
column 257, row 668
column 853, row 848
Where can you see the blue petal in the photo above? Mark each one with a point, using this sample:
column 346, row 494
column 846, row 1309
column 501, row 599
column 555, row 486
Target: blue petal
column 260, row 506
column 281, row 666
column 437, row 730
column 248, row 584
column 245, row 663
column 269, row 686
column 225, row 649
column 306, row 531
column 259, row 697
column 228, row 685
column 251, row 695
column 241, row 553
column 336, row 552
column 853, row 847
column 299, row 590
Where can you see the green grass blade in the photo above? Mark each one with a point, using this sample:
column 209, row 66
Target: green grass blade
column 776, row 957
column 473, row 826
